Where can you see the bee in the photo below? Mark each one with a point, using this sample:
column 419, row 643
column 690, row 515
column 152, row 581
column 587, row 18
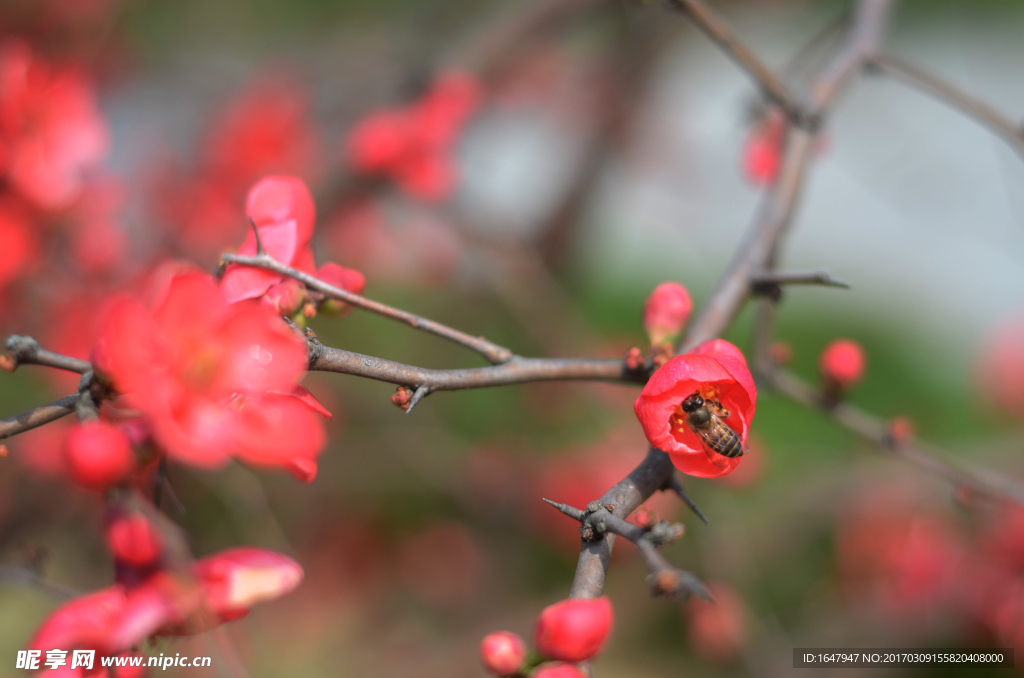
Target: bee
column 705, row 417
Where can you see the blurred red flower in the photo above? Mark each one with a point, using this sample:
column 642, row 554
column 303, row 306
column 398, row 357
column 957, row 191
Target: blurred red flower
column 842, row 363
column 1001, row 367
column 718, row 376
column 98, row 454
column 717, row 630
column 762, row 154
column 503, row 652
column 213, row 379
column 413, row 145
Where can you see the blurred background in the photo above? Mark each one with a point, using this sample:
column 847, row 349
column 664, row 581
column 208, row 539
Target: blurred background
column 564, row 157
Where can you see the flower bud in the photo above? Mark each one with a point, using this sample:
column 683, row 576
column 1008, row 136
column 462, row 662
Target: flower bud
column 285, row 297
column 559, row 671
column 503, row 653
column 98, row 454
column 666, row 311
column 575, row 629
column 842, row 363
column 134, row 540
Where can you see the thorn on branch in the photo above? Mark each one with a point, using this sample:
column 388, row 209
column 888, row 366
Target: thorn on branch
column 769, row 283
column 574, row 513
column 260, row 252
column 420, row 394
column 677, row 487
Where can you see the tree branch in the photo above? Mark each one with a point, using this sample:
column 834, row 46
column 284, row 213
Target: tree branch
column 949, row 94
column 37, row 417
column 27, row 351
column 494, row 353
column 772, row 86
column 758, row 252
column 516, row 371
column 875, row 431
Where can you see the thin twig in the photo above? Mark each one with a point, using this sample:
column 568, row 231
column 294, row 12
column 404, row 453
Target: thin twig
column 23, row 576
column 27, row 351
column 952, row 95
column 772, row 86
column 37, row 417
column 494, row 353
column 875, row 431
column 260, row 251
column 517, row 371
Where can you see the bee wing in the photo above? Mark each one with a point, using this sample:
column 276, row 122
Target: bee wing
column 720, row 462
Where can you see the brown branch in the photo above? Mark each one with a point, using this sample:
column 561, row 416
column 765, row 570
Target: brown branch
column 666, row 580
column 27, row 351
column 772, row 86
column 875, row 431
column 37, row 417
column 516, row 371
column 950, row 94
column 758, row 252
column 494, row 353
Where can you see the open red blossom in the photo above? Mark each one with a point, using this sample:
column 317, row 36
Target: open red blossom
column 50, row 127
column 573, row 630
column 98, row 454
column 715, row 376
column 842, row 363
column 283, row 210
column 413, row 144
column 236, row 579
column 720, row 347
column 666, row 311
column 214, row 380
column 503, row 652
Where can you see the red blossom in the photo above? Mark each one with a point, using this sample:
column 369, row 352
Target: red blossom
column 51, row 130
column 558, row 671
column 20, row 247
column 98, row 454
column 283, row 210
column 666, row 311
column 717, row 630
column 573, row 630
column 1000, row 374
column 718, row 376
column 236, row 579
column 214, row 380
column 762, row 154
column 413, row 145
column 720, row 347
column 134, row 540
column 347, row 279
column 842, row 363
column 503, row 652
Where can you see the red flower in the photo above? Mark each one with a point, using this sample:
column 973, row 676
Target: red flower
column 413, row 144
column 718, row 629
column 503, row 652
column 573, row 630
column 762, row 154
column 20, row 249
column 98, row 454
column 133, row 540
column 720, row 347
column 347, row 279
column 236, row 579
column 719, row 376
column 1001, row 367
column 666, row 311
column 50, row 127
column 558, row 671
column 842, row 363
column 283, row 210
column 214, row 380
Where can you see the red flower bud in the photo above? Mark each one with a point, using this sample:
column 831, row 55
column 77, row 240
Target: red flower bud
column 573, row 630
column 98, row 454
column 720, row 377
column 503, row 652
column 900, row 430
column 666, row 311
column 285, row 297
column 781, row 352
column 133, row 540
column 842, row 363
column 644, row 517
column 558, row 671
